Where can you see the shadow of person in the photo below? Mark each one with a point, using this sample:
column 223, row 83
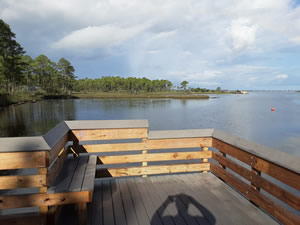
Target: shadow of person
column 188, row 211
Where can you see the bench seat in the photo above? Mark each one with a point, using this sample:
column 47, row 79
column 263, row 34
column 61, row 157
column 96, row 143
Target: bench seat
column 76, row 175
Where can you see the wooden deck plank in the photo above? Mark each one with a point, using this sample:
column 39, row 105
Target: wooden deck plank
column 174, row 197
column 191, row 207
column 256, row 215
column 127, row 202
column 77, row 179
column 97, row 205
column 62, row 182
column 215, row 213
column 108, row 211
column 137, row 203
column 205, row 207
column 89, row 177
column 242, row 211
column 119, row 213
column 229, row 204
column 167, row 203
column 163, row 214
column 149, row 206
column 198, row 199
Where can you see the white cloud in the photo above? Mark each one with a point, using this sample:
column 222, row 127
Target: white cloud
column 252, row 78
column 281, row 77
column 97, row 37
column 232, row 42
column 243, row 34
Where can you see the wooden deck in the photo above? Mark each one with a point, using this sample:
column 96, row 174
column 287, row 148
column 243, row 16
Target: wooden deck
column 188, row 199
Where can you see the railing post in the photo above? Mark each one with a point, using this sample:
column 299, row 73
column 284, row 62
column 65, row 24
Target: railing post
column 205, row 160
column 43, row 209
column 144, row 153
column 224, row 155
column 257, row 172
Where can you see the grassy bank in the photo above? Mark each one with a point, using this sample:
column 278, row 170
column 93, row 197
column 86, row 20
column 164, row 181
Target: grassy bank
column 174, row 95
column 20, row 98
column 6, row 100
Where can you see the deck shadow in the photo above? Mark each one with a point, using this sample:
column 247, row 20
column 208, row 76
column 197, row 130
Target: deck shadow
column 188, row 209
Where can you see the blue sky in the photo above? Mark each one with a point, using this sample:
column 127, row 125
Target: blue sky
column 235, row 44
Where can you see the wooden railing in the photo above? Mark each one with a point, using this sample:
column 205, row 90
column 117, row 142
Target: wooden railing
column 240, row 158
column 268, row 178
column 178, row 149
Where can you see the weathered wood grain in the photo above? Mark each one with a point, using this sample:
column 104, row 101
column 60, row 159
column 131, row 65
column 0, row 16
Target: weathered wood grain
column 152, row 157
column 27, row 181
column 55, row 150
column 178, row 143
column 21, row 201
column 115, row 147
column 110, row 134
column 20, row 160
column 282, row 214
column 161, row 169
column 284, row 175
column 54, row 170
column 260, row 182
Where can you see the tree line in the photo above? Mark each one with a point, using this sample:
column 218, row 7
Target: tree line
column 120, row 84
column 20, row 71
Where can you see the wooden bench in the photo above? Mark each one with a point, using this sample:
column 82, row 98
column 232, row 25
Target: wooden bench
column 73, row 185
column 38, row 176
column 76, row 180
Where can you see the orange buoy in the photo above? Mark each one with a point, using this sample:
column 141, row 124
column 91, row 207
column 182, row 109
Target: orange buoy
column 272, row 109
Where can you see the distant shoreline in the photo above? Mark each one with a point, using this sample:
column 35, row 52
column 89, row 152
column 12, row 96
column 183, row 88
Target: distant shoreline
column 6, row 100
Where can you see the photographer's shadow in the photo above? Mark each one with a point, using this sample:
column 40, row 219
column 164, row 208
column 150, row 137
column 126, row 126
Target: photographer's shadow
column 187, row 209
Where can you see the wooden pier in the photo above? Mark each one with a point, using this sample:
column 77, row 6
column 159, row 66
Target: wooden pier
column 119, row 172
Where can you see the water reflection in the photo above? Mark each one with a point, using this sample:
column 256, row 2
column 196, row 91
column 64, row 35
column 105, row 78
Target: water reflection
column 248, row 116
column 32, row 119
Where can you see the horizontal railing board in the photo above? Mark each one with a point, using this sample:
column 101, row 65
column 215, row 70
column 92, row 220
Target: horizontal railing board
column 20, row 160
column 280, row 158
column 110, row 134
column 154, row 157
column 167, row 134
column 146, row 144
column 106, row 124
column 21, row 201
column 115, row 147
column 276, row 210
column 282, row 174
column 174, row 143
column 27, row 181
column 161, row 169
column 23, row 144
column 260, row 182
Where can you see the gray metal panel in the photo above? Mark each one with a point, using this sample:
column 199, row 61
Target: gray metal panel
column 106, row 124
column 55, row 134
column 283, row 159
column 19, row 144
column 164, row 134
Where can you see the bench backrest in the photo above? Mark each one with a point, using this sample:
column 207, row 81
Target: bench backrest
column 128, row 149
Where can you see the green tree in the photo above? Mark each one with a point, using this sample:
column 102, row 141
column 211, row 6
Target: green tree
column 218, row 89
column 184, row 84
column 27, row 70
column 11, row 53
column 45, row 71
column 66, row 71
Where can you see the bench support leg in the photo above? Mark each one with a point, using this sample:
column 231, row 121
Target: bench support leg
column 82, row 213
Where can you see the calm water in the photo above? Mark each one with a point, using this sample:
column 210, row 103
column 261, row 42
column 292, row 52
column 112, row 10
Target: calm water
column 247, row 116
